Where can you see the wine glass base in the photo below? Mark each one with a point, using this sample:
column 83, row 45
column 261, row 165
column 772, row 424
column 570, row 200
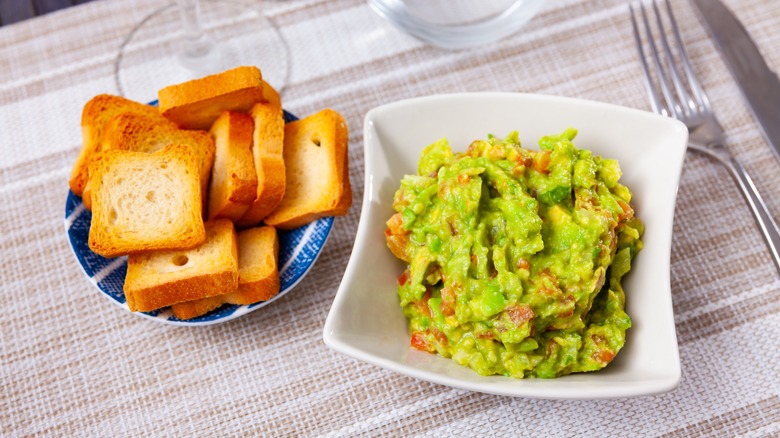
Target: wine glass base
column 150, row 57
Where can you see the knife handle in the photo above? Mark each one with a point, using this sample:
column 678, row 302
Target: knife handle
column 758, row 208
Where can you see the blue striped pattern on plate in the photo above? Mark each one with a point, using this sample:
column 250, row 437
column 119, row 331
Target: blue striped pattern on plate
column 298, row 250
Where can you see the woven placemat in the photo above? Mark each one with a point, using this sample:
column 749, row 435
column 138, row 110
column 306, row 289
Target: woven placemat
column 72, row 363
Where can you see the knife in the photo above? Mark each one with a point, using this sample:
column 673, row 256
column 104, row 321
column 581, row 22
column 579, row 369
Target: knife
column 759, row 84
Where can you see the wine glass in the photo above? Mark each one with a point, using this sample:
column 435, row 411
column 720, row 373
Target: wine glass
column 190, row 39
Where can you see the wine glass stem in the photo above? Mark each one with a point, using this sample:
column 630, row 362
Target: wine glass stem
column 198, row 51
column 190, row 19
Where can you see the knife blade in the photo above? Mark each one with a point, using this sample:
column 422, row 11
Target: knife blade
column 758, row 83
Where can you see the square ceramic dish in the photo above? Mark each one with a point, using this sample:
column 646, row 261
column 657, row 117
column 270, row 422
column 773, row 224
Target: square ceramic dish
column 366, row 321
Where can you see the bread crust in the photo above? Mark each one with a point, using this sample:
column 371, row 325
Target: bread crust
column 315, row 155
column 195, row 308
column 258, row 266
column 258, row 280
column 166, row 294
column 271, row 95
column 96, row 113
column 196, row 104
column 267, row 153
column 138, row 132
column 129, row 202
column 233, row 184
column 155, row 280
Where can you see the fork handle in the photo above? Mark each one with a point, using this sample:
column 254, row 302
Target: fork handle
column 758, row 208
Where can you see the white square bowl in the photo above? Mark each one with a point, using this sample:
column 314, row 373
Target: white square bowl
column 366, row 321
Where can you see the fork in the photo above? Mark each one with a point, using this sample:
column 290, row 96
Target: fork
column 677, row 93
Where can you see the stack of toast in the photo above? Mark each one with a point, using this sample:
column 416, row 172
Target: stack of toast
column 194, row 190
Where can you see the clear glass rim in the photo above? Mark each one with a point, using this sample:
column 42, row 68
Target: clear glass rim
column 457, row 36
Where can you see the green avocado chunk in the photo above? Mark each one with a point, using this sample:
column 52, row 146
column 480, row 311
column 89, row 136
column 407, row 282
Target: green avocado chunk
column 515, row 257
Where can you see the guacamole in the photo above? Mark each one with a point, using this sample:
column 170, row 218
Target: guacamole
column 515, row 256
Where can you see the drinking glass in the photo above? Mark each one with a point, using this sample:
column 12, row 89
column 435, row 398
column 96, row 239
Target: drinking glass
column 189, row 39
column 457, row 24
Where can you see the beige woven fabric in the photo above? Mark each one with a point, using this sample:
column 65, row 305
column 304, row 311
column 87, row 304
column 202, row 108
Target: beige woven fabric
column 72, row 363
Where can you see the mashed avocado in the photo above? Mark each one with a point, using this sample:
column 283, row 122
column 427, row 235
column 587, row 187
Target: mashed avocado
column 515, row 256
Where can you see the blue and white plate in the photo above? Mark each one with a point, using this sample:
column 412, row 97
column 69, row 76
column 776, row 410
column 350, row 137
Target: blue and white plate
column 298, row 250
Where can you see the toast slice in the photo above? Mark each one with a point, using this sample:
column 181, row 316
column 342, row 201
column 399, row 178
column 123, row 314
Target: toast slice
column 196, row 104
column 158, row 279
column 233, row 184
column 138, row 132
column 271, row 95
column 96, row 113
column 258, row 254
column 267, row 147
column 144, row 202
column 317, row 177
column 258, row 277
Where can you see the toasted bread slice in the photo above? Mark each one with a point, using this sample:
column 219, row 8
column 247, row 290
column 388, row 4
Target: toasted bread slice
column 158, row 279
column 267, row 147
column 233, row 184
column 143, row 202
column 196, row 308
column 96, row 113
column 196, row 104
column 138, row 132
column 317, row 178
column 271, row 95
column 258, row 278
column 258, row 254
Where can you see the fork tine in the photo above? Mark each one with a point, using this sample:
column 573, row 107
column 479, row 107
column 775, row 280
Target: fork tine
column 655, row 99
column 698, row 92
column 673, row 108
column 687, row 104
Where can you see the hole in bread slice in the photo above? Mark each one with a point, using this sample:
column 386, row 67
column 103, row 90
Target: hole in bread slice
column 180, row 260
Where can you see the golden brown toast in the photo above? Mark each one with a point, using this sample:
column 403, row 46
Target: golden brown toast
column 196, row 104
column 271, row 95
column 267, row 147
column 144, row 202
column 258, row 280
column 158, row 279
column 95, row 115
column 233, row 185
column 138, row 132
column 317, row 177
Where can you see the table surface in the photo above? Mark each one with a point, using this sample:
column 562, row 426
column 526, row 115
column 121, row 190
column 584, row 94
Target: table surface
column 13, row 11
column 73, row 363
